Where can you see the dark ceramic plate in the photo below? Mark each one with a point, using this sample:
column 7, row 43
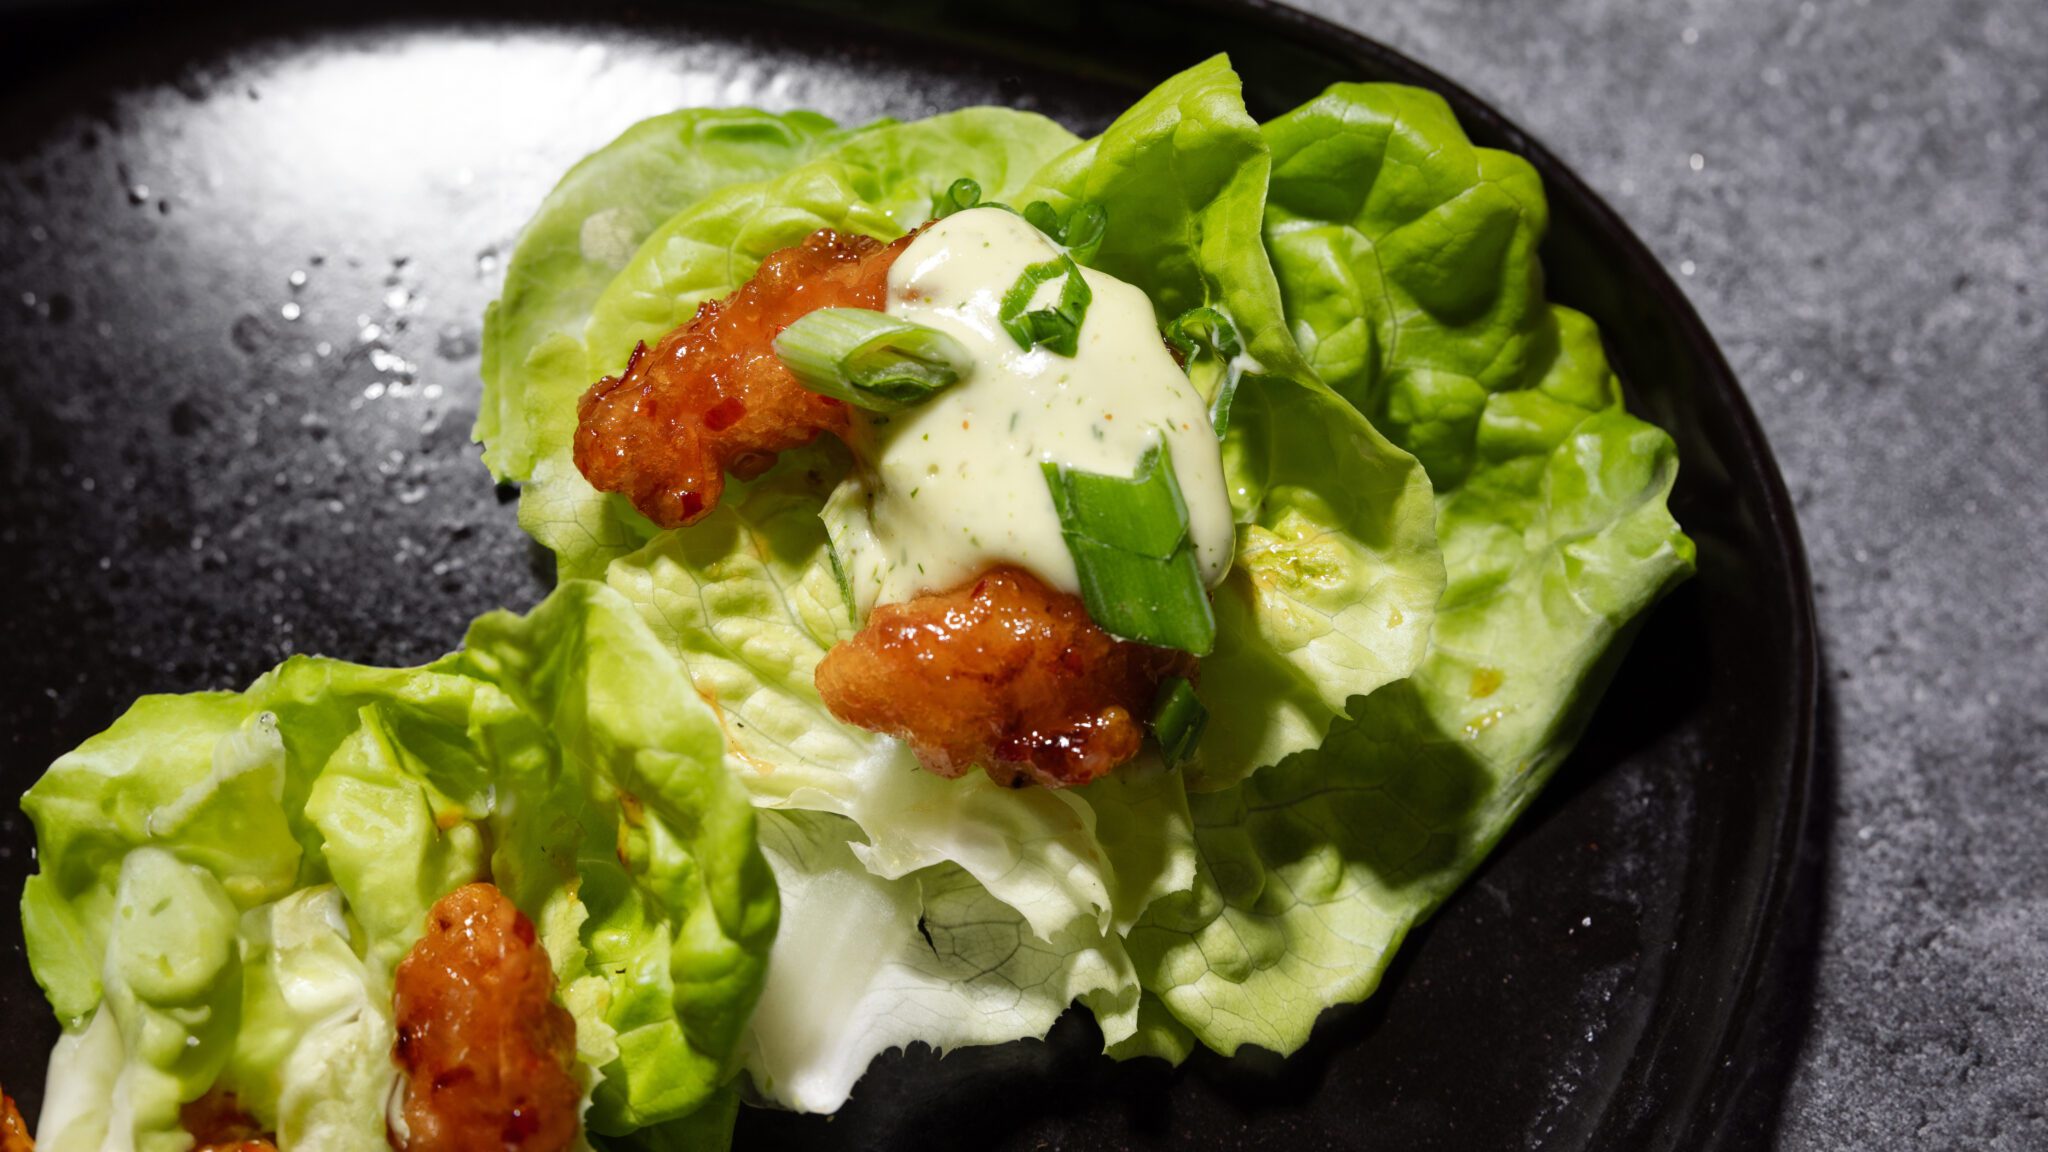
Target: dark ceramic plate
column 243, row 257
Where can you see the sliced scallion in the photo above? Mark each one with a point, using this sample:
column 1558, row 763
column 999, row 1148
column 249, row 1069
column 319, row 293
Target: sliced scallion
column 1058, row 328
column 1209, row 348
column 1131, row 548
column 1203, row 329
column 1219, row 404
column 1178, row 717
column 959, row 196
column 869, row 359
column 1080, row 231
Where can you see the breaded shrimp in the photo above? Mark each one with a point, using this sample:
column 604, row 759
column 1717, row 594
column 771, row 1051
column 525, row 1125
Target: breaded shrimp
column 712, row 397
column 487, row 1053
column 14, row 1135
column 1003, row 672
column 217, row 1122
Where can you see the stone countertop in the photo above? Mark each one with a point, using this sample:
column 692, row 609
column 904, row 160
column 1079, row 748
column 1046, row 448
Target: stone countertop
column 1854, row 194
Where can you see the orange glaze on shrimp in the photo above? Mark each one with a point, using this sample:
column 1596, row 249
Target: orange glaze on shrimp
column 712, row 397
column 14, row 1135
column 1005, row 673
column 216, row 1121
column 487, row 1053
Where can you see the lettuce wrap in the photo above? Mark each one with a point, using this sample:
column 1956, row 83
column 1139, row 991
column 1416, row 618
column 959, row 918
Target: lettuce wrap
column 228, row 881
column 1446, row 522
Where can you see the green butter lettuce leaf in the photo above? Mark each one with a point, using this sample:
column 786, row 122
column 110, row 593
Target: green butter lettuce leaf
column 940, row 961
column 585, row 231
column 681, row 933
column 173, row 979
column 1407, row 260
column 177, row 773
column 229, row 880
column 316, row 1030
column 258, row 813
column 879, row 182
column 708, row 1129
column 1336, row 574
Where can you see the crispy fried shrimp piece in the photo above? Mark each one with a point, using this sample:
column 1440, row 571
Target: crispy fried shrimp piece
column 13, row 1132
column 1002, row 672
column 217, row 1122
column 487, row 1053
column 712, row 397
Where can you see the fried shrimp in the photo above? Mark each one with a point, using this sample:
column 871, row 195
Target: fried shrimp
column 487, row 1053
column 711, row 397
column 218, row 1124
column 13, row 1132
column 1003, row 672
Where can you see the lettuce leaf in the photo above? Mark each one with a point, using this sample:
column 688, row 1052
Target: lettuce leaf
column 585, row 231
column 239, row 802
column 681, row 933
column 941, row 961
column 1336, row 574
column 228, row 880
column 316, row 1031
column 1407, row 258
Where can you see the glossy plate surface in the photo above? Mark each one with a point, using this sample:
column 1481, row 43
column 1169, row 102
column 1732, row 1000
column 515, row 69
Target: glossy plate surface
column 243, row 259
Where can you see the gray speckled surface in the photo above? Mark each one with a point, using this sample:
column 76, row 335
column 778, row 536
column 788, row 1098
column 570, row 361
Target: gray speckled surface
column 1855, row 196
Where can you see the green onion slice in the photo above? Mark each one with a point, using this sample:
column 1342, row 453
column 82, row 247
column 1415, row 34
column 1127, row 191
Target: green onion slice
column 1208, row 345
column 1080, row 231
column 869, row 359
column 1178, row 717
column 1203, row 330
column 1219, row 404
column 959, row 196
column 1057, row 327
column 1130, row 544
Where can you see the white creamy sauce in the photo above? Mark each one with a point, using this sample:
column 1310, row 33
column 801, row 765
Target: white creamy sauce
column 954, row 486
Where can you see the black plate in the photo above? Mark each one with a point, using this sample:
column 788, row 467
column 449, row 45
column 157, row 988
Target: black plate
column 207, row 465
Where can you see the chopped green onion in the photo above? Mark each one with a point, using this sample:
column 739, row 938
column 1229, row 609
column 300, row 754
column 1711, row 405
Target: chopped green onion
column 1130, row 544
column 1145, row 514
column 1044, row 217
column 1057, row 327
column 869, row 359
column 1208, row 345
column 959, row 196
column 1178, row 718
column 1219, row 404
column 1080, row 231
column 1203, row 329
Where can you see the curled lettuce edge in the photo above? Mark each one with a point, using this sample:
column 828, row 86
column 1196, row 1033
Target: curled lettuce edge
column 228, row 880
